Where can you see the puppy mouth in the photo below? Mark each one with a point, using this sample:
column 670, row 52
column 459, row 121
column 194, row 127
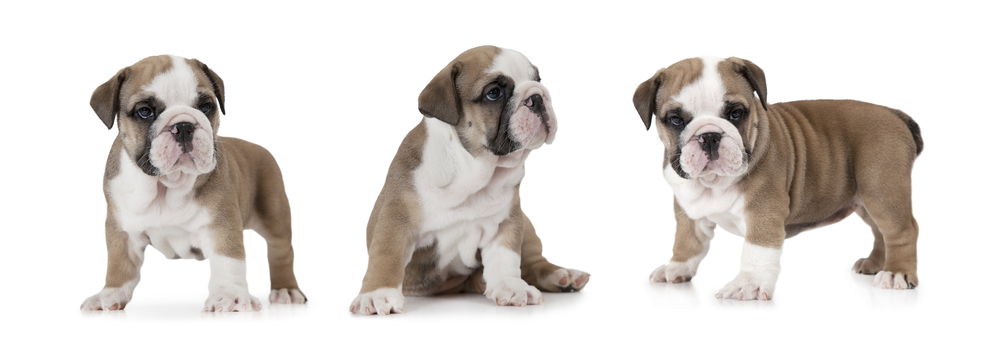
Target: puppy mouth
column 533, row 121
column 543, row 115
column 716, row 155
column 183, row 145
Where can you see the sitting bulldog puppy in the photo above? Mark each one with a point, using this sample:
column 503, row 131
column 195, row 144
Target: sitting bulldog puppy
column 770, row 171
column 449, row 219
column 172, row 183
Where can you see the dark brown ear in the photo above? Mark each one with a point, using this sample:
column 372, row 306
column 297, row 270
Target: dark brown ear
column 644, row 98
column 217, row 86
column 440, row 99
column 754, row 75
column 107, row 98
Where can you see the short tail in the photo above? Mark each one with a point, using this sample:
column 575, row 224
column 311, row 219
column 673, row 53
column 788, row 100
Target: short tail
column 914, row 129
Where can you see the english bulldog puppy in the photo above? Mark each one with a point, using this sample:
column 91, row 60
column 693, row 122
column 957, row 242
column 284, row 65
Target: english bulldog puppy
column 448, row 219
column 172, row 183
column 767, row 172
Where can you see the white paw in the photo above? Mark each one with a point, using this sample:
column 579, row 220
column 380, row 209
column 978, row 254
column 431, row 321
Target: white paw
column 287, row 296
column 383, row 301
column 672, row 272
column 891, row 280
column 568, row 280
column 231, row 302
column 513, row 291
column 109, row 299
column 748, row 286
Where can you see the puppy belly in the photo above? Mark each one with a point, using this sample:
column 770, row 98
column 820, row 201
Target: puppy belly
column 176, row 243
column 445, row 259
column 425, row 274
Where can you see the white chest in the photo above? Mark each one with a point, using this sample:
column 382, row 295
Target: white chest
column 724, row 206
column 463, row 199
column 162, row 209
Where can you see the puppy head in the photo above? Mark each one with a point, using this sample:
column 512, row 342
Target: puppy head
column 494, row 99
column 167, row 109
column 706, row 115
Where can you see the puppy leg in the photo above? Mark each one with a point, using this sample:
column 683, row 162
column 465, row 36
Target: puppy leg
column 691, row 242
column 125, row 255
column 760, row 262
column 884, row 190
column 390, row 248
column 539, row 272
column 899, row 229
column 875, row 260
column 227, row 287
column 502, row 267
column 280, row 256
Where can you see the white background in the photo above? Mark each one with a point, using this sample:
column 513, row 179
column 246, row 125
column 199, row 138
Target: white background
column 331, row 89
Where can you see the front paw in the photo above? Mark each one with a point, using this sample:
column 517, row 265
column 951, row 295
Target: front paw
column 109, row 299
column 383, row 301
column 748, row 286
column 513, row 291
column 287, row 296
column 672, row 272
column 568, row 280
column 895, row 280
column 239, row 301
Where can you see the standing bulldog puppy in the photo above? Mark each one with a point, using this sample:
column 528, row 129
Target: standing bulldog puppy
column 770, row 171
column 449, row 218
column 172, row 183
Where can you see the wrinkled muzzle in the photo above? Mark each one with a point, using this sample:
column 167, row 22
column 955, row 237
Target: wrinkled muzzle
column 533, row 122
column 182, row 141
column 712, row 147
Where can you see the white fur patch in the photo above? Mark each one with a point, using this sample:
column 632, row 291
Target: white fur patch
column 463, row 198
column 161, row 208
column 178, row 85
column 704, row 97
column 499, row 263
column 722, row 205
column 758, row 274
column 382, row 301
column 890, row 280
column 287, row 296
column 110, row 299
column 513, row 64
column 227, row 288
column 502, row 274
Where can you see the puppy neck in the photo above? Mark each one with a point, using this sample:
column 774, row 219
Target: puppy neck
column 446, row 163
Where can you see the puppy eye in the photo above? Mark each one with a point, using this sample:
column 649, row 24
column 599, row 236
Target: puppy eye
column 736, row 115
column 144, row 112
column 676, row 121
column 494, row 93
column 206, row 108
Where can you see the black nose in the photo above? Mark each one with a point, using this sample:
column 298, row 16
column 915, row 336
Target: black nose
column 535, row 103
column 710, row 144
column 184, row 134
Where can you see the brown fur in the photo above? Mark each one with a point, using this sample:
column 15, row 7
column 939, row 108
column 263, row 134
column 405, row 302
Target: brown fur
column 812, row 163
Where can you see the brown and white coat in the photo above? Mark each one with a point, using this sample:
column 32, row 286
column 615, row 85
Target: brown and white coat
column 769, row 171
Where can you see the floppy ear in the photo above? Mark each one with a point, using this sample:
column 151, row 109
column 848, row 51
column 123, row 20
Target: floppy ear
column 644, row 98
column 107, row 98
column 440, row 98
column 217, row 86
column 754, row 75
